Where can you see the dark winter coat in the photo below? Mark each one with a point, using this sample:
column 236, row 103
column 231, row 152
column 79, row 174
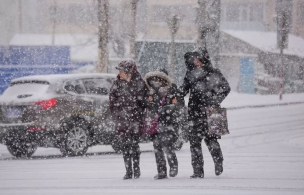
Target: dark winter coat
column 169, row 112
column 127, row 104
column 207, row 87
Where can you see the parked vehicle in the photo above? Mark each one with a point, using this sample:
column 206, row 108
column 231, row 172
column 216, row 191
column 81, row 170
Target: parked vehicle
column 267, row 84
column 69, row 112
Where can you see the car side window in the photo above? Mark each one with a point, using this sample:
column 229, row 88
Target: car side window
column 96, row 86
column 74, row 86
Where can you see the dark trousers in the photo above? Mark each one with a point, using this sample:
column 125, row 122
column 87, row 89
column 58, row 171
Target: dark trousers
column 131, row 152
column 161, row 147
column 128, row 142
column 197, row 154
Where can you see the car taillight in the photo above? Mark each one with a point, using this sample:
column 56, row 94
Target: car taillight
column 46, row 104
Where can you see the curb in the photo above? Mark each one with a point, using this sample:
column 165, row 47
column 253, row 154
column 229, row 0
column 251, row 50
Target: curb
column 263, row 106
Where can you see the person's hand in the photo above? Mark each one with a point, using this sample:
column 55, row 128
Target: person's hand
column 150, row 98
column 174, row 101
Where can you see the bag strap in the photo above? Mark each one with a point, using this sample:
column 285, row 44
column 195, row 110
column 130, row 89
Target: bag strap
column 161, row 105
column 163, row 100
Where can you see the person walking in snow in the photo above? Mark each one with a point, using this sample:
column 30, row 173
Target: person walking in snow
column 164, row 103
column 207, row 87
column 126, row 107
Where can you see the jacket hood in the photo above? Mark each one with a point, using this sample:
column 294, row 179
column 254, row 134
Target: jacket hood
column 199, row 53
column 160, row 75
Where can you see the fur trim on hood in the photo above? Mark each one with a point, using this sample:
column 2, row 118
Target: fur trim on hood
column 161, row 75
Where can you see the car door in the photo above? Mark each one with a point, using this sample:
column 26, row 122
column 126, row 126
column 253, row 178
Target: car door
column 98, row 89
column 78, row 101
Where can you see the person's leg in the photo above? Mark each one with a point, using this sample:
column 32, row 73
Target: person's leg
column 136, row 157
column 160, row 159
column 126, row 147
column 172, row 159
column 196, row 157
column 216, row 153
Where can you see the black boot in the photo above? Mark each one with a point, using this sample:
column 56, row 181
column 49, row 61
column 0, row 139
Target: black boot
column 127, row 176
column 136, row 173
column 160, row 176
column 218, row 168
column 197, row 176
column 173, row 171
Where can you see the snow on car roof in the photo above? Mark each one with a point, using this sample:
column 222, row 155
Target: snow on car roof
column 52, row 78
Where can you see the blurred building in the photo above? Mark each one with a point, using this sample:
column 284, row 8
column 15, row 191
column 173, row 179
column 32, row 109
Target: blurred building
column 77, row 21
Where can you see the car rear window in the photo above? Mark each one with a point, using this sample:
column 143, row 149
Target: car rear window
column 27, row 87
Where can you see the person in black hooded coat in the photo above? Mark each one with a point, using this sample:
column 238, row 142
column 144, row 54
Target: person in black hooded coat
column 164, row 100
column 207, row 87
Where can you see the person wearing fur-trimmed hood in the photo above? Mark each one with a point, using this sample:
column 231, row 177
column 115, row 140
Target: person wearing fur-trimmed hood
column 164, row 99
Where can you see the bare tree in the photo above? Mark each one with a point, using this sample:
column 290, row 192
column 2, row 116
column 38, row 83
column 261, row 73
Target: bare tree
column 284, row 21
column 201, row 20
column 20, row 16
column 209, row 26
column 133, row 28
column 54, row 20
column 173, row 23
column 103, row 26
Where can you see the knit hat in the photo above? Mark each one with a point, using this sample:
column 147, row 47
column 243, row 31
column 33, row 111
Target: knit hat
column 128, row 66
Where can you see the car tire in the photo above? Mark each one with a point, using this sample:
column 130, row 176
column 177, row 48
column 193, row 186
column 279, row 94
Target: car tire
column 75, row 138
column 21, row 149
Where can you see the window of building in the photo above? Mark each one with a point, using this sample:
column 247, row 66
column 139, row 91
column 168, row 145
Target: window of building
column 233, row 12
column 76, row 14
column 160, row 13
column 242, row 12
column 256, row 12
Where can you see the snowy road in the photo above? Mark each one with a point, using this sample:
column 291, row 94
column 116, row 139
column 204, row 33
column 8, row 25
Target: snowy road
column 263, row 155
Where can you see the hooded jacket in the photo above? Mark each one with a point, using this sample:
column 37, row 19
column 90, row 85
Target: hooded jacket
column 169, row 111
column 207, row 86
column 126, row 102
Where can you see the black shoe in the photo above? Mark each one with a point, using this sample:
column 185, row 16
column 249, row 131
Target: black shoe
column 127, row 176
column 159, row 176
column 197, row 176
column 136, row 175
column 173, row 172
column 218, row 168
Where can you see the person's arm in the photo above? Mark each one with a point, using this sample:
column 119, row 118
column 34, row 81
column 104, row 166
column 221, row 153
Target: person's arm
column 184, row 89
column 113, row 99
column 220, row 90
column 176, row 96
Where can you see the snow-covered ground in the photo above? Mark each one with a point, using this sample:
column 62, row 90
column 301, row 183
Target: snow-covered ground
column 264, row 154
column 235, row 100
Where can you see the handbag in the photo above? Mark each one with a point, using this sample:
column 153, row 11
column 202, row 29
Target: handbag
column 150, row 124
column 217, row 121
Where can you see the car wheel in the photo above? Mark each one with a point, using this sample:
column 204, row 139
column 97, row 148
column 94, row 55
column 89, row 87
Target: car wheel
column 19, row 149
column 76, row 139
